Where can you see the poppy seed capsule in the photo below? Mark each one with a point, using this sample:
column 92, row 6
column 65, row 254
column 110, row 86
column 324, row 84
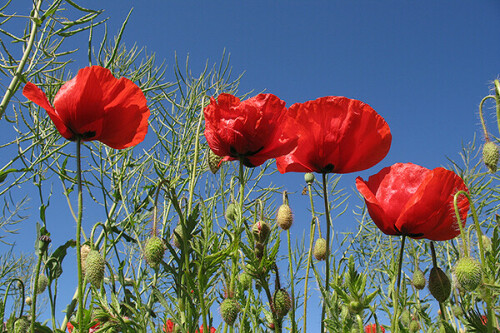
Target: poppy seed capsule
column 320, row 250
column 154, row 251
column 231, row 212
column 439, row 284
column 418, row 279
column 229, row 310
column 490, row 156
column 261, row 231
column 43, row 282
column 309, row 177
column 284, row 217
column 469, row 273
column 94, row 268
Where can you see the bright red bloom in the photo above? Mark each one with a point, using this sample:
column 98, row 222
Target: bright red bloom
column 250, row 131
column 95, row 105
column 169, row 326
column 372, row 328
column 212, row 330
column 407, row 199
column 94, row 328
column 336, row 134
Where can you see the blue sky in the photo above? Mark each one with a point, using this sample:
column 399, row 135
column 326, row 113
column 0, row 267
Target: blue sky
column 423, row 65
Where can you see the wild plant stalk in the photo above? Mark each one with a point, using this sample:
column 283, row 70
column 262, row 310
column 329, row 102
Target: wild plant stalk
column 327, row 259
column 78, row 233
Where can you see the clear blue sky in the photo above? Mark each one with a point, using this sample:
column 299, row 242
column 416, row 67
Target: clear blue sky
column 423, row 65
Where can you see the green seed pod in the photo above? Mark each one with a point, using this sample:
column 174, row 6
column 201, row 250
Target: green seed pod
column 490, row 156
column 405, row 318
column 486, row 243
column 414, row 325
column 245, row 280
column 309, row 178
column 229, row 310
column 22, row 325
column 457, row 310
column 154, row 251
column 281, row 302
column 43, row 282
column 469, row 273
column 261, row 231
column 214, row 161
column 439, row 284
column 320, row 250
column 418, row 279
column 230, row 212
column 284, row 217
column 94, row 268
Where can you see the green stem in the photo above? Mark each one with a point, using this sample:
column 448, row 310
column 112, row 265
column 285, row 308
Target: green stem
column 497, row 98
column 192, row 183
column 19, row 70
column 465, row 245
column 78, row 233
column 35, row 294
column 481, row 117
column 327, row 259
column 395, row 326
column 292, row 283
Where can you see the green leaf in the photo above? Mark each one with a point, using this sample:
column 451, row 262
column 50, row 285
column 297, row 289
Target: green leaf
column 54, row 263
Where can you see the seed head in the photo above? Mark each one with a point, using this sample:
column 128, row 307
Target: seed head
column 320, row 250
column 43, row 282
column 309, row 178
column 418, row 279
column 281, row 302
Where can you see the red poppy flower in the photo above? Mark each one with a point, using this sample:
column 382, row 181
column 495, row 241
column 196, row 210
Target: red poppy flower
column 169, row 326
column 336, row 134
column 95, row 105
column 372, row 328
column 250, row 131
column 94, row 328
column 407, row 199
column 212, row 330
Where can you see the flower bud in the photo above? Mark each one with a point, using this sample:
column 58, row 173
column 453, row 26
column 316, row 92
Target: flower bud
column 178, row 236
column 418, row 279
column 28, row 301
column 439, row 284
column 284, row 217
column 22, row 325
column 486, row 243
column 320, row 250
column 469, row 273
column 214, row 161
column 490, row 156
column 229, row 310
column 84, row 251
column 94, row 268
column 414, row 326
column 230, row 212
column 154, row 251
column 43, row 282
column 261, row 231
column 309, row 178
column 259, row 250
column 457, row 310
column 355, row 307
column 245, row 280
column 281, row 303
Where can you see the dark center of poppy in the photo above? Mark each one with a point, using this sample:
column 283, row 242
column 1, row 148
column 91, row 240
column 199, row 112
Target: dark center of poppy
column 327, row 168
column 243, row 157
column 405, row 233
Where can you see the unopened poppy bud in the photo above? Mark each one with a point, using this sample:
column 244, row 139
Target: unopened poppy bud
column 22, row 325
column 231, row 212
column 245, row 280
column 414, row 326
column 214, row 161
column 405, row 318
column 309, row 177
column 457, row 310
column 282, row 303
column 486, row 243
column 259, row 250
column 261, row 231
column 355, row 307
column 43, row 282
column 490, row 156
column 178, row 236
column 94, row 268
column 418, row 279
column 229, row 310
column 439, row 284
column 154, row 251
column 84, row 251
column 28, row 301
column 320, row 250
column 284, row 217
column 469, row 273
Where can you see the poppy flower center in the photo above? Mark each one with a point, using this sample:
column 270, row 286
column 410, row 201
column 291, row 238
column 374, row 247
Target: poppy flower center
column 404, row 232
column 243, row 157
column 327, row 168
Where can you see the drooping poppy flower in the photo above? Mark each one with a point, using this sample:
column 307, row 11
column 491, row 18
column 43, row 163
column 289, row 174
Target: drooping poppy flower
column 95, row 105
column 93, row 329
column 169, row 326
column 336, row 134
column 250, row 131
column 212, row 329
column 372, row 328
column 407, row 199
